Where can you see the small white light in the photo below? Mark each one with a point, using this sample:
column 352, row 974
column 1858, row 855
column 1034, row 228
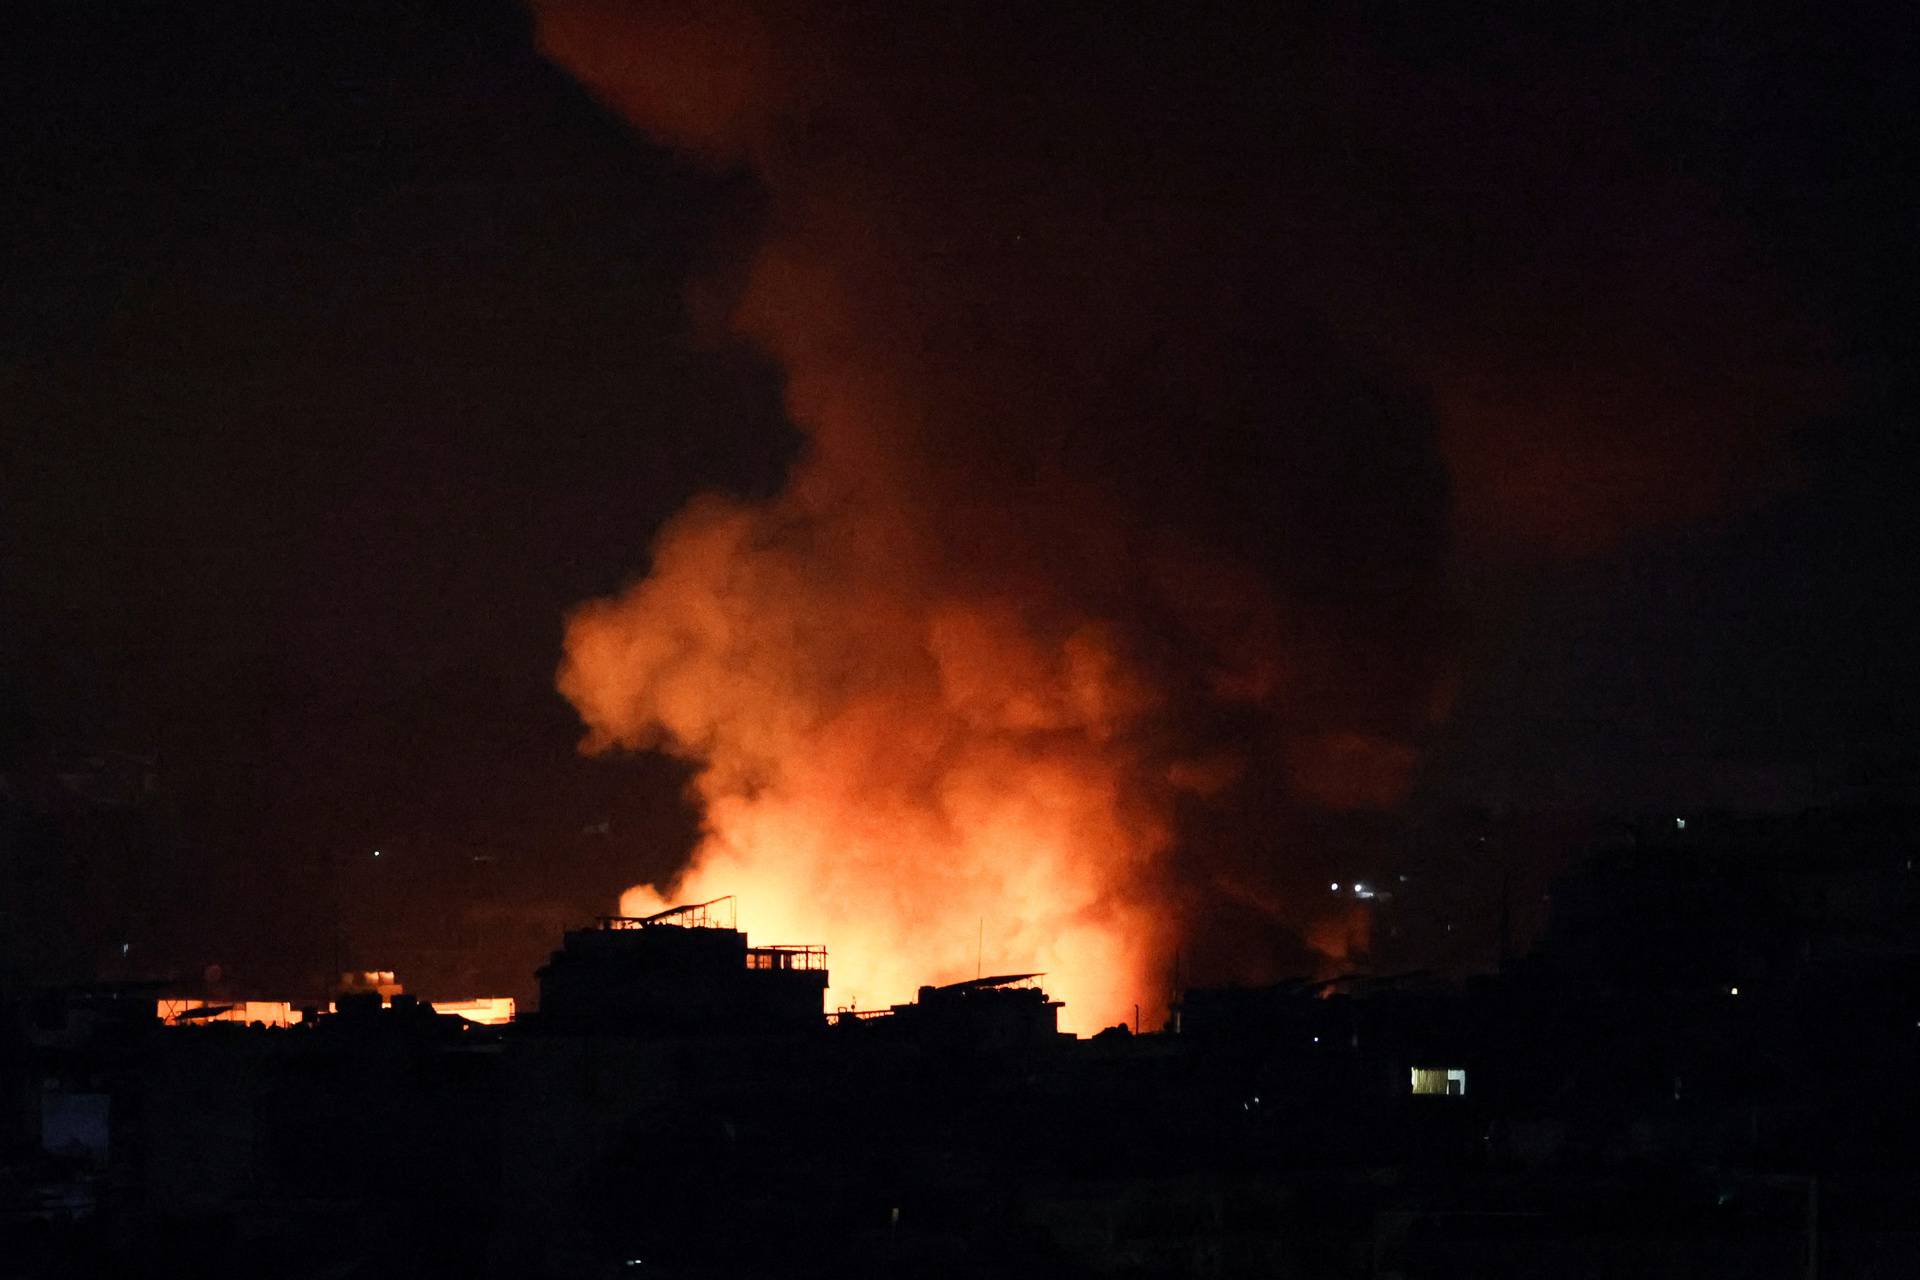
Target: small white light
column 1733, row 991
column 1679, row 824
column 376, row 853
column 1335, row 886
column 1316, row 1039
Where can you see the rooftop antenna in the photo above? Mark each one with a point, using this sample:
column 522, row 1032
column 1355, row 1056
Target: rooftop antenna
column 979, row 945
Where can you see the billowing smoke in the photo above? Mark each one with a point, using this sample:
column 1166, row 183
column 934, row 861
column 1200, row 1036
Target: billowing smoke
column 1131, row 385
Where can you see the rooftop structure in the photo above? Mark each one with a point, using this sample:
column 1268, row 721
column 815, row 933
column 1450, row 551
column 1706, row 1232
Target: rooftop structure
column 683, row 970
column 1007, row 1011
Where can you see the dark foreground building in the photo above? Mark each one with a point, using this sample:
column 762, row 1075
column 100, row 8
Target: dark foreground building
column 679, row 971
column 1703, row 1071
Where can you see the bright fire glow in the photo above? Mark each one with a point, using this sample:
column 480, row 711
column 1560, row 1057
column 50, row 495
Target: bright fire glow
column 487, row 1010
column 271, row 1013
column 932, row 789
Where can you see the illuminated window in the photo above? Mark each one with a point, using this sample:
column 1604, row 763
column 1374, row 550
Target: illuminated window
column 1449, row 1081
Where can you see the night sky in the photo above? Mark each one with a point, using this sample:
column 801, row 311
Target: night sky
column 344, row 349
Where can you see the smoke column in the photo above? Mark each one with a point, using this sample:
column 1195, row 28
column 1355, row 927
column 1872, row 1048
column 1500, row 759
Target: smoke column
column 1115, row 548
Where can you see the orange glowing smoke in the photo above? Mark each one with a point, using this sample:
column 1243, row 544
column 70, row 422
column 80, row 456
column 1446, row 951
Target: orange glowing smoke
column 928, row 729
column 1117, row 540
column 923, row 782
column 1341, row 939
column 1068, row 559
